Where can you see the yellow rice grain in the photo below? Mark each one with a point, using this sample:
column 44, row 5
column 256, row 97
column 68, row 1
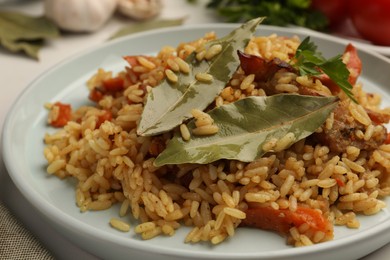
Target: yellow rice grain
column 200, row 55
column 204, row 77
column 359, row 113
column 206, row 130
column 185, row 132
column 149, row 234
column 146, row 63
column 119, row 225
column 141, row 228
column 236, row 213
column 184, row 67
column 213, row 51
column 247, row 81
column 171, row 76
column 99, row 205
column 56, row 166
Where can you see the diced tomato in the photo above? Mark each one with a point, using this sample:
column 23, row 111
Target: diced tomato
column 340, row 182
column 281, row 220
column 378, row 118
column 96, row 94
column 387, row 141
column 110, row 86
column 107, row 116
column 132, row 60
column 64, row 115
column 354, row 65
column 113, row 84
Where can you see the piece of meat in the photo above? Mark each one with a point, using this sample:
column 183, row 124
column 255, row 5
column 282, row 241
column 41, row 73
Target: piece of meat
column 343, row 133
column 262, row 69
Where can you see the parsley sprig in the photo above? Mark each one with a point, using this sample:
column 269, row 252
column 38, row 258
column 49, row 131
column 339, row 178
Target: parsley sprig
column 309, row 61
column 278, row 12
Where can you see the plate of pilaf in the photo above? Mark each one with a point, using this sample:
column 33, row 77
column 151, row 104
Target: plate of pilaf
column 213, row 141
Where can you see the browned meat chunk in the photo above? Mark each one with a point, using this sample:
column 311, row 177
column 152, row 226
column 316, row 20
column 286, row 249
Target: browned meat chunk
column 344, row 133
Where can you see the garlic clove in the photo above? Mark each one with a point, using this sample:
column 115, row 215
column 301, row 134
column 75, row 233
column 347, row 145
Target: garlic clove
column 79, row 15
column 140, row 9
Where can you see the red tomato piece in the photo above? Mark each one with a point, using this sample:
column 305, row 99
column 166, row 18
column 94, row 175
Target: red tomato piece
column 340, row 182
column 107, row 116
column 132, row 60
column 378, row 118
column 354, row 65
column 113, row 84
column 334, row 10
column 64, row 115
column 96, row 94
column 387, row 141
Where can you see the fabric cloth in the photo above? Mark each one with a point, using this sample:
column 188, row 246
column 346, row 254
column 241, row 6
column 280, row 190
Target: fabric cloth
column 16, row 242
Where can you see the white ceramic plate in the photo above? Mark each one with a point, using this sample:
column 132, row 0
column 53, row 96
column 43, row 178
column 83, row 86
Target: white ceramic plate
column 23, row 155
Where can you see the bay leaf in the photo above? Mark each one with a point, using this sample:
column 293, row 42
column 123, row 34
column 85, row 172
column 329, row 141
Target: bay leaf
column 30, row 48
column 20, row 32
column 147, row 25
column 247, row 125
column 169, row 104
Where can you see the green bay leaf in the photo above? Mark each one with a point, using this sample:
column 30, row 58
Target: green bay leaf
column 169, row 104
column 247, row 125
column 17, row 26
column 30, row 48
column 20, row 32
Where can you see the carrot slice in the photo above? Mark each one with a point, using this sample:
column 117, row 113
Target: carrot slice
column 282, row 220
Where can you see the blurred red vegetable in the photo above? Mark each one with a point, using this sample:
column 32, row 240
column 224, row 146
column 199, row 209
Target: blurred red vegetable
column 334, row 10
column 371, row 19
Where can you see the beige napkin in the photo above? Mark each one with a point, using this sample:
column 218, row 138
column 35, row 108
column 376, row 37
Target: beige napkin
column 16, row 242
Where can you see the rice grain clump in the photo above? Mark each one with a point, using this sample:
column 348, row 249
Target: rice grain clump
column 331, row 182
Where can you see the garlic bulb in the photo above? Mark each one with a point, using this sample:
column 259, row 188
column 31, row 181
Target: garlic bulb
column 140, row 9
column 79, row 15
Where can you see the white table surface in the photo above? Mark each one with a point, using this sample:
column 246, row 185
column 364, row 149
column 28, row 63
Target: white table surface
column 17, row 71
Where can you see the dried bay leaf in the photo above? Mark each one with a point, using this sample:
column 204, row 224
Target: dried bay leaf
column 20, row 32
column 169, row 104
column 148, row 25
column 30, row 48
column 246, row 127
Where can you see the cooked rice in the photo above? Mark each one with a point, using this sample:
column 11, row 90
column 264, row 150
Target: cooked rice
column 112, row 164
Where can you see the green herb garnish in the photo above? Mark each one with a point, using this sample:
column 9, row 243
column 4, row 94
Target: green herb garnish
column 278, row 12
column 309, row 61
